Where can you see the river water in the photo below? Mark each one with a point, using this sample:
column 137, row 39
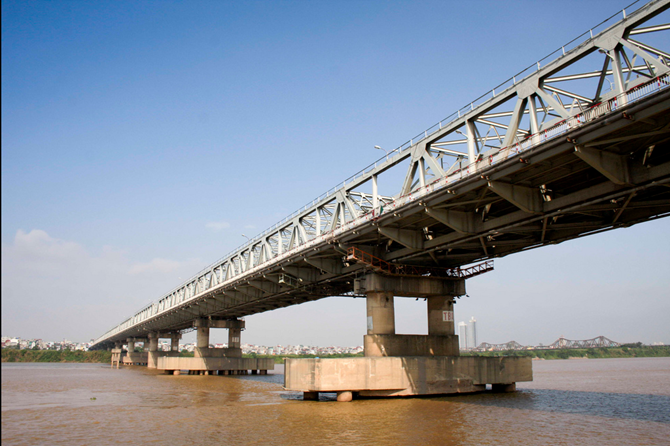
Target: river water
column 571, row 402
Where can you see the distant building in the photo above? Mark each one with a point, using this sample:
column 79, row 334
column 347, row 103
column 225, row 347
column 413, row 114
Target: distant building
column 472, row 333
column 463, row 335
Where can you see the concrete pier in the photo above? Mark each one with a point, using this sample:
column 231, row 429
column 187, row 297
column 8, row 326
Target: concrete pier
column 117, row 354
column 215, row 361
column 405, row 365
column 132, row 357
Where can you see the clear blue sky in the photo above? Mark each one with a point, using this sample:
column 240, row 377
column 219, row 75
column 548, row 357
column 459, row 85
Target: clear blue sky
column 141, row 139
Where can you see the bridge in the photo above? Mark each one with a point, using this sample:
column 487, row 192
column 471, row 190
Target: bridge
column 574, row 145
column 560, row 343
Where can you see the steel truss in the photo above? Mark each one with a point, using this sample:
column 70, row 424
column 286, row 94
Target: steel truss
column 574, row 145
column 560, row 343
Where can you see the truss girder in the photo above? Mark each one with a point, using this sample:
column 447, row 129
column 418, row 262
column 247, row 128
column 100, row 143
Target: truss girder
column 534, row 150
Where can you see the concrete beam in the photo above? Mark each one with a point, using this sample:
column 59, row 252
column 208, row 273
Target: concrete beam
column 614, row 167
column 227, row 323
column 406, row 237
column 327, row 265
column 412, row 286
column 265, row 286
column 462, row 222
column 527, row 199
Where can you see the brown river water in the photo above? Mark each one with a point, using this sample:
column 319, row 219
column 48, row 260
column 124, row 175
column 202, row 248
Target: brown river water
column 571, row 402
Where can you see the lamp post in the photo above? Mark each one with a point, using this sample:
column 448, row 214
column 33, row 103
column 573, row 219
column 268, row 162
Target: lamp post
column 379, row 148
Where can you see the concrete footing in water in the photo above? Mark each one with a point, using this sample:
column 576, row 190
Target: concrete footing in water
column 404, row 376
column 215, row 365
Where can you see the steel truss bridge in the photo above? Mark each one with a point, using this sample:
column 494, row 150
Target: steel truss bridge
column 560, row 343
column 576, row 144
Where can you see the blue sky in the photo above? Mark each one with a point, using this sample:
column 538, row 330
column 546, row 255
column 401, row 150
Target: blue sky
column 141, row 139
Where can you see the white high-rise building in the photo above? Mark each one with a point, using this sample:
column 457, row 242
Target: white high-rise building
column 472, row 333
column 462, row 335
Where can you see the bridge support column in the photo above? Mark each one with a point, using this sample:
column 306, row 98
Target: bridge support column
column 202, row 338
column 234, row 337
column 381, row 312
column 131, row 345
column 174, row 341
column 152, row 357
column 441, row 316
column 117, row 353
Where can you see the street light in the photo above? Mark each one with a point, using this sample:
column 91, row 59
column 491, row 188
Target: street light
column 379, row 148
column 246, row 237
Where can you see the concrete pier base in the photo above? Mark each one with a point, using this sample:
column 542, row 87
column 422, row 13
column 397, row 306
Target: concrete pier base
column 216, row 365
column 152, row 357
column 135, row 358
column 404, row 376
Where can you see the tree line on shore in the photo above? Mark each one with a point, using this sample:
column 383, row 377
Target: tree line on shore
column 15, row 355
column 102, row 356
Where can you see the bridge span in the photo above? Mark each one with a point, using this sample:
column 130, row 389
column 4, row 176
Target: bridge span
column 576, row 144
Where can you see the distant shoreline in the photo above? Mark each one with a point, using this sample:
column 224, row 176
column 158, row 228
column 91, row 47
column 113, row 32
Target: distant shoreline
column 103, row 356
column 636, row 351
column 65, row 356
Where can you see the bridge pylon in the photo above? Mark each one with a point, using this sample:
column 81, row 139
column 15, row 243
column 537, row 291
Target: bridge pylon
column 404, row 365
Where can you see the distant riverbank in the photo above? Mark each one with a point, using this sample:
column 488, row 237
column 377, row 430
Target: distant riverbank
column 14, row 355
column 103, row 356
column 592, row 353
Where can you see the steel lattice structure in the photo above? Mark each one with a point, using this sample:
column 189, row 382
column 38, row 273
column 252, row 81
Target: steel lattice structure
column 575, row 144
column 599, row 342
column 560, row 343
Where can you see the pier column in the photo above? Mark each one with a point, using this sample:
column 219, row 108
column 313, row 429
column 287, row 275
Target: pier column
column 441, row 315
column 381, row 312
column 382, row 340
column 152, row 356
column 202, row 338
column 131, row 344
column 117, row 353
column 174, row 341
column 234, row 337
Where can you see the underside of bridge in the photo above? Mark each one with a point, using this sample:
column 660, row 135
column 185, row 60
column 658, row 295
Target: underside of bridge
column 613, row 173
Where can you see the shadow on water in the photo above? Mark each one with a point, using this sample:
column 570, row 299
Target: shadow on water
column 601, row 404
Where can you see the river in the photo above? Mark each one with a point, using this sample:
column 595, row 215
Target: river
column 571, row 402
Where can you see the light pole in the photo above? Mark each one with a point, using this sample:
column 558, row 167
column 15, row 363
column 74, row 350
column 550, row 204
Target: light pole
column 379, row 148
